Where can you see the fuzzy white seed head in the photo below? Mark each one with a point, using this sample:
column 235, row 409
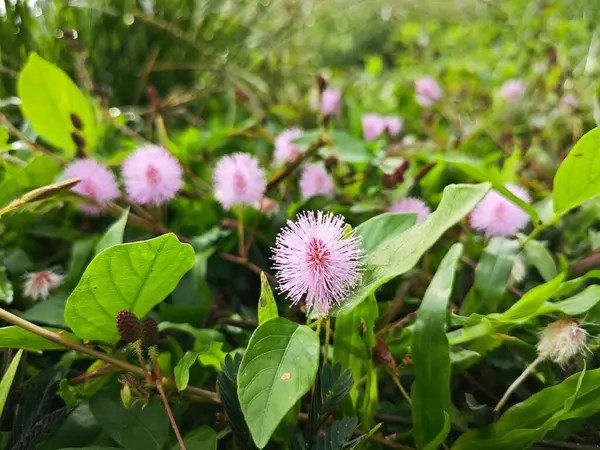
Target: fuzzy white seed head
column 562, row 340
column 39, row 284
column 519, row 270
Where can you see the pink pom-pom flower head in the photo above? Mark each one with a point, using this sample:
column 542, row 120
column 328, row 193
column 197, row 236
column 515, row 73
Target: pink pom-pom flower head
column 512, row 90
column 427, row 91
column 570, row 100
column 373, row 125
column 97, row 183
column 316, row 181
column 39, row 284
column 331, row 102
column 411, row 205
column 152, row 175
column 318, row 259
column 393, row 125
column 498, row 216
column 285, row 149
column 239, row 180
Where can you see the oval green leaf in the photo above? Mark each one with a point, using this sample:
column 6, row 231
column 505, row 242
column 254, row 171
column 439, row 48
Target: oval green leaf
column 397, row 253
column 278, row 368
column 8, row 378
column 17, row 337
column 267, row 307
column 134, row 277
column 578, row 177
column 48, row 98
column 431, row 356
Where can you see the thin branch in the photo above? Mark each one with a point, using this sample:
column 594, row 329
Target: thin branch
column 33, row 145
column 61, row 340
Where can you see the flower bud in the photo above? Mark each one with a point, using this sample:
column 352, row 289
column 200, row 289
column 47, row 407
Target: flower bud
column 129, row 326
column 149, row 332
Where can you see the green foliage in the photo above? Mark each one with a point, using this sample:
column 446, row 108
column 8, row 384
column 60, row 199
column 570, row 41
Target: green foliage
column 278, row 368
column 577, row 177
column 135, row 428
column 396, row 254
column 431, row 356
column 267, row 308
column 48, row 99
column 114, row 234
column 16, row 337
column 134, row 277
column 7, row 379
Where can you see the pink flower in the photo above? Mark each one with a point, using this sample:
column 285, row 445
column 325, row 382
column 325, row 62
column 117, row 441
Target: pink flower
column 268, row 206
column 97, row 183
column 285, row 149
column 316, row 181
column 411, row 205
column 570, row 100
column 393, row 125
column 427, row 91
column 39, row 284
column 239, row 180
column 373, row 125
column 512, row 90
column 318, row 259
column 152, row 175
column 498, row 216
column 331, row 101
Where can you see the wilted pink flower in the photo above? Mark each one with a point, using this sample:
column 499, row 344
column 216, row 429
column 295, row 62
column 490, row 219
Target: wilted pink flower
column 498, row 216
column 561, row 340
column 512, row 90
column 393, row 125
column 285, row 149
column 268, row 206
column 373, row 125
column 331, row 102
column 427, row 91
column 152, row 175
column 318, row 259
column 97, row 183
column 39, row 284
column 411, row 205
column 239, row 180
column 315, row 181
column 570, row 100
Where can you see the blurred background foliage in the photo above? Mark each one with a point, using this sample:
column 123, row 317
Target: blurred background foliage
column 197, row 53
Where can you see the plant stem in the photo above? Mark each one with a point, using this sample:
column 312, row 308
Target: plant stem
column 163, row 396
column 400, row 387
column 61, row 340
column 516, row 383
column 327, row 336
column 138, row 351
column 240, row 228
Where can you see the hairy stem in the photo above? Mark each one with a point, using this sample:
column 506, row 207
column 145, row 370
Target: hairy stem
column 327, row 337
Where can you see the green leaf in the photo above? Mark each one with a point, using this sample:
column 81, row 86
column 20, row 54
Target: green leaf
column 278, row 368
column 49, row 312
column 6, row 287
column 8, row 378
column 227, row 387
column 437, row 440
column 578, row 177
column 182, row 369
column 491, row 277
column 213, row 356
column 400, row 252
column 136, row 428
column 431, row 355
column 350, row 149
column 203, row 438
column 38, row 194
column 134, row 277
column 114, row 235
column 39, row 171
column 533, row 300
column 267, row 307
column 577, row 304
column 80, row 254
column 539, row 256
column 477, row 170
column 527, row 422
column 48, row 98
column 350, row 349
column 17, row 337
